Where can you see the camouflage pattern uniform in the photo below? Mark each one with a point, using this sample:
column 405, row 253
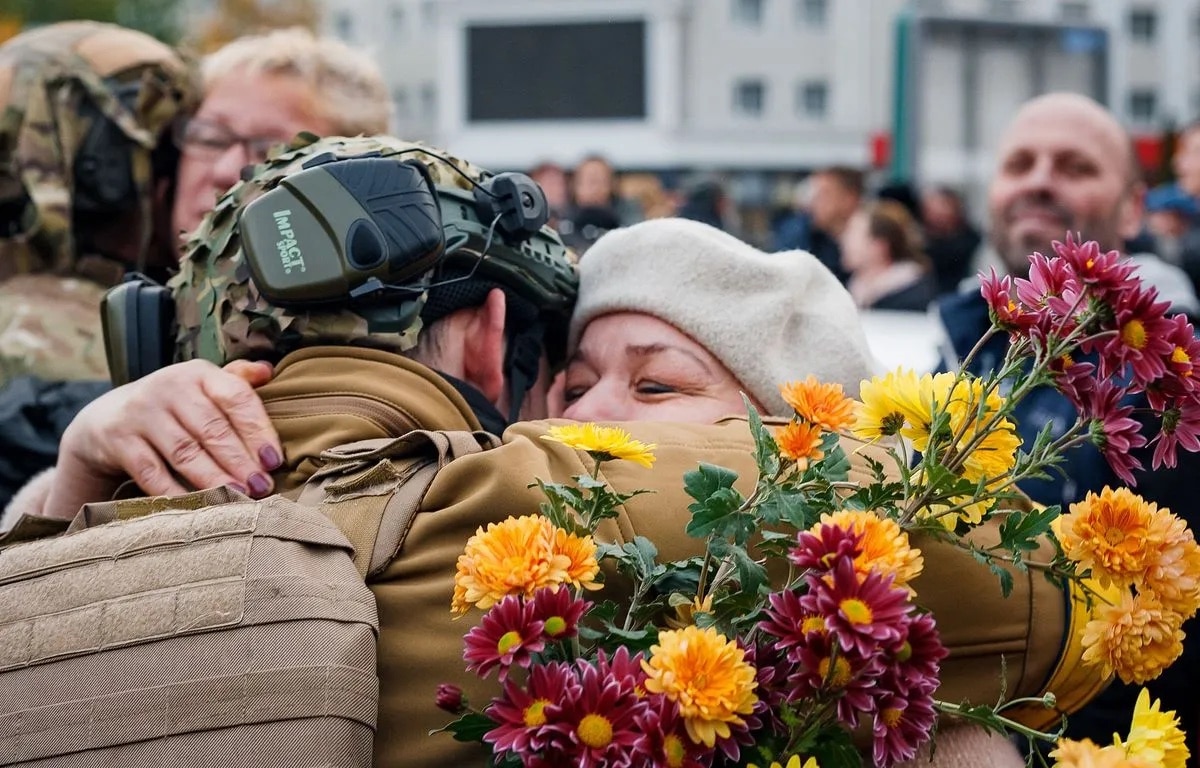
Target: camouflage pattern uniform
column 56, row 82
column 222, row 316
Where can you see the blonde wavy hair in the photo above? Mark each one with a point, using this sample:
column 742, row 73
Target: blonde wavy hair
column 348, row 85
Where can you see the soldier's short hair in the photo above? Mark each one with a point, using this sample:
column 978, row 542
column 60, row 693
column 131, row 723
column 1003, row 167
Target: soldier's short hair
column 350, row 88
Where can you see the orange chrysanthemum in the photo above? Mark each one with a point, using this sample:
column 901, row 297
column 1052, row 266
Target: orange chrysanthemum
column 1137, row 639
column 884, row 545
column 706, row 676
column 799, row 442
column 580, row 552
column 823, row 404
column 1069, row 753
column 1111, row 535
column 515, row 557
column 1172, row 572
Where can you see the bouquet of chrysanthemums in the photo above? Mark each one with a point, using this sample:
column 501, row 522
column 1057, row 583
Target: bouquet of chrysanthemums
column 830, row 660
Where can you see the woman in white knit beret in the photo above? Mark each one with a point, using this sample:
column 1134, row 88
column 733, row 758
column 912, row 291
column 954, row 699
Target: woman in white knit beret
column 676, row 319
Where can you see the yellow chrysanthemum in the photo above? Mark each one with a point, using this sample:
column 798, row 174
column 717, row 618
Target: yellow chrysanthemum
column 793, row 762
column 799, row 442
column 1172, row 572
column 603, row 443
column 825, row 405
column 1069, row 753
column 967, row 509
column 996, row 452
column 685, row 613
column 1137, row 639
column 1111, row 535
column 918, row 398
column 516, row 556
column 878, row 414
column 706, row 676
column 885, row 546
column 1155, row 737
column 580, row 552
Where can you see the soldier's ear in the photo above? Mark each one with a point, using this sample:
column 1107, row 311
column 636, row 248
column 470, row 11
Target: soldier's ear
column 483, row 347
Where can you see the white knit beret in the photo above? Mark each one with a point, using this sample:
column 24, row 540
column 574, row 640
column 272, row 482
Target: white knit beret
column 769, row 317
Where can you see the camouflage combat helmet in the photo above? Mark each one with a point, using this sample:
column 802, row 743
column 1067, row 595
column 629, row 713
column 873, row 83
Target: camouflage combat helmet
column 222, row 316
column 85, row 109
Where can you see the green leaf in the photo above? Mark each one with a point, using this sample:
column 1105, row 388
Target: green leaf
column 766, row 451
column 716, row 499
column 469, row 727
column 1005, row 578
column 778, row 504
column 834, row 748
column 1020, row 531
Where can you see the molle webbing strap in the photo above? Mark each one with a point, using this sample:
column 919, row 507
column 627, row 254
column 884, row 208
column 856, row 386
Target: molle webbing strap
column 372, row 489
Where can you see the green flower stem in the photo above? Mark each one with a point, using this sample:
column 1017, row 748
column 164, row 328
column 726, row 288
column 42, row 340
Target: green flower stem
column 995, row 719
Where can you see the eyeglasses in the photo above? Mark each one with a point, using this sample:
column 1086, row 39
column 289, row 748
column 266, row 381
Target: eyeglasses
column 210, row 139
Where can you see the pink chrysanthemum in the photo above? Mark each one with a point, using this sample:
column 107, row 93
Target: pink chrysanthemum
column 529, row 718
column 1113, row 429
column 559, row 611
column 1075, row 380
column 1180, row 426
column 822, row 550
column 1007, row 313
column 1109, row 274
column 508, row 634
column 623, row 668
column 901, row 725
column 1140, row 341
column 604, row 722
column 1051, row 290
column 1184, row 356
column 864, row 617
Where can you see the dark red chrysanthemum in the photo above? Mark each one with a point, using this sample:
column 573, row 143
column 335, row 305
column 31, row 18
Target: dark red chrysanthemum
column 916, row 664
column 1106, row 274
column 787, row 620
column 1074, row 380
column 529, row 718
column 623, row 668
column 824, row 668
column 774, row 666
column 668, row 743
column 900, row 726
column 507, row 635
column 559, row 611
column 603, row 720
column 822, row 550
column 864, row 616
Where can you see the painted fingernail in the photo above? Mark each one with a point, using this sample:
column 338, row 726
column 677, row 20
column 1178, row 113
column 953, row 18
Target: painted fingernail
column 239, row 488
column 270, row 458
column 260, row 485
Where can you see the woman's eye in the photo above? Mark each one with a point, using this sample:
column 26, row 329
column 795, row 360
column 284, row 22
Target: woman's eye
column 654, row 388
column 571, row 394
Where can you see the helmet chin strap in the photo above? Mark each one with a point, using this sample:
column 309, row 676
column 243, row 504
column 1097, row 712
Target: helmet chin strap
column 522, row 364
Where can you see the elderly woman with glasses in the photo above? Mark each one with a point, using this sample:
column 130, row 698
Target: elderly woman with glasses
column 262, row 90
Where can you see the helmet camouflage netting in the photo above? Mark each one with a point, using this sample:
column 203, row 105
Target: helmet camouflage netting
column 221, row 314
column 57, row 83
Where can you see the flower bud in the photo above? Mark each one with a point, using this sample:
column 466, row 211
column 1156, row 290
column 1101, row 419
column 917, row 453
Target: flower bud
column 450, row 698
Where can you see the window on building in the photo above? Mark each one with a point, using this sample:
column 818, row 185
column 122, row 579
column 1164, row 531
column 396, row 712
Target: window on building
column 397, row 19
column 812, row 99
column 812, row 13
column 1143, row 105
column 343, row 23
column 1073, row 11
column 1143, row 24
column 749, row 97
column 429, row 101
column 748, row 12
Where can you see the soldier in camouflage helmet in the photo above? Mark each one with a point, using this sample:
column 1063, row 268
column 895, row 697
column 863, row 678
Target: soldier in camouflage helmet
column 222, row 317
column 85, row 172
